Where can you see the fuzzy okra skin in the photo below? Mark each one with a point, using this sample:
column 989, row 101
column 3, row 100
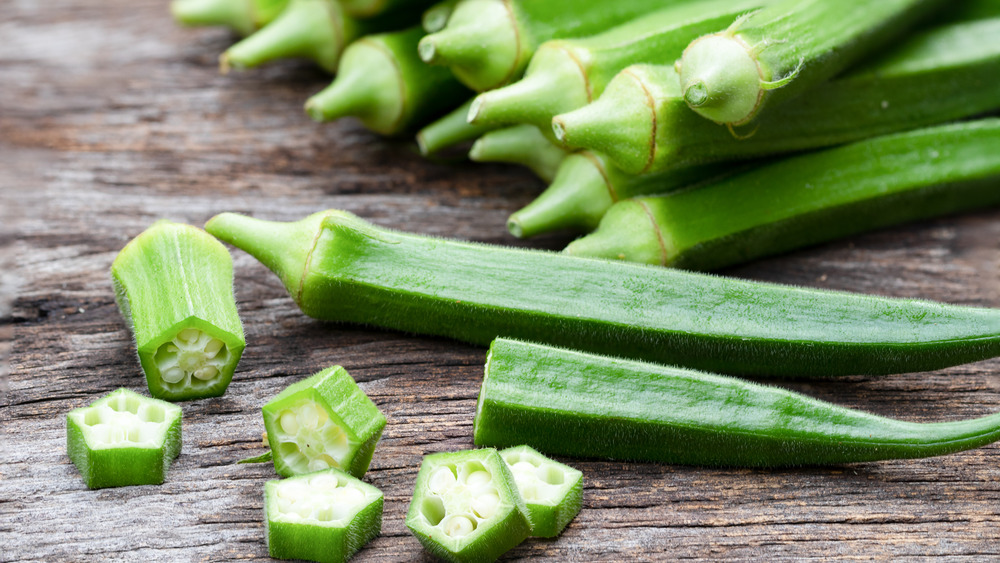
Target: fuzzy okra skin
column 338, row 267
column 488, row 43
column 174, row 287
column 776, row 53
column 466, row 506
column 243, row 16
column 325, row 516
column 449, row 130
column 552, row 491
column 643, row 125
column 807, row 199
column 123, row 439
column 566, row 74
column 520, row 144
column 383, row 82
column 323, row 421
column 567, row 402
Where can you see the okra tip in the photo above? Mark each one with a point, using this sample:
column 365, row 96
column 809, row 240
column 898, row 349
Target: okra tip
column 436, row 17
column 312, row 30
column 524, row 101
column 210, row 12
column 720, row 78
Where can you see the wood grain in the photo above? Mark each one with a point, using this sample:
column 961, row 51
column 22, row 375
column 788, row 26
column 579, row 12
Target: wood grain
column 111, row 117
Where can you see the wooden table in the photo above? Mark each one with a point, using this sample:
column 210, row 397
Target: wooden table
column 112, row 117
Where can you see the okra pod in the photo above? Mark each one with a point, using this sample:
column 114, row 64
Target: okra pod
column 174, row 287
column 363, row 9
column 326, row 516
column 123, row 439
column 552, row 491
column 566, row 74
column 323, row 421
column 774, row 54
column 338, row 267
column 567, row 402
column 488, row 43
column 807, row 199
column 642, row 123
column 466, row 506
column 436, row 17
column 383, row 82
column 520, row 144
column 587, row 184
column 449, row 130
column 242, row 16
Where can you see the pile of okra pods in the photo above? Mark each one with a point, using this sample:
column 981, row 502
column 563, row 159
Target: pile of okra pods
column 648, row 119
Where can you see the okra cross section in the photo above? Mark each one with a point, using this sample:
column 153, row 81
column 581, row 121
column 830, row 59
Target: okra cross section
column 552, row 491
column 174, row 286
column 324, row 516
column 323, row 421
column 123, row 439
column 466, row 506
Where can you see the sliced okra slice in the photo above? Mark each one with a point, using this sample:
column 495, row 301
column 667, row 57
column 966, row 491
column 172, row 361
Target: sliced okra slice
column 552, row 491
column 123, row 439
column 323, row 421
column 174, row 286
column 466, row 506
column 324, row 516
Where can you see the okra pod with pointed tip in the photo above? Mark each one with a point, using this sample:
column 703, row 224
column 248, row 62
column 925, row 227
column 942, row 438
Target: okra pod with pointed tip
column 436, row 17
column 520, row 144
column 174, row 286
column 243, row 16
column 488, row 43
column 449, row 130
column 572, row 403
column 338, row 267
column 383, row 82
column 566, row 74
column 642, row 123
column 777, row 53
column 800, row 201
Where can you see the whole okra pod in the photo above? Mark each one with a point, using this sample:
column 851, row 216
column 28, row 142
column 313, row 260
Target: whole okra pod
column 383, row 82
column 338, row 267
column 243, row 16
column 572, row 403
column 449, row 130
column 642, row 123
column 801, row 201
column 520, row 144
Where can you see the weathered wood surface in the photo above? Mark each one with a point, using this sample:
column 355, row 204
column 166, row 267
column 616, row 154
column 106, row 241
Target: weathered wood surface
column 111, row 117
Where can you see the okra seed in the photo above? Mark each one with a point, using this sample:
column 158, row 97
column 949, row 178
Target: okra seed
column 459, row 526
column 173, row 375
column 442, row 479
column 324, row 481
column 289, row 423
column 189, row 334
column 486, row 504
column 478, row 478
column 523, row 467
column 206, row 373
column 213, row 347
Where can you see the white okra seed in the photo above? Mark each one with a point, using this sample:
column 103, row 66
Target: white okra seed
column 478, row 478
column 289, row 423
column 458, row 526
column 486, row 504
column 441, row 480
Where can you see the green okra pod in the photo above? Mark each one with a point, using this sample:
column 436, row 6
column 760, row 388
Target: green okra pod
column 488, row 43
column 642, row 123
column 436, row 17
column 383, row 82
column 566, row 74
column 807, row 199
column 338, row 267
column 243, row 16
column 449, row 130
column 174, row 287
column 520, row 144
column 567, row 402
column 774, row 54
column 123, row 439
column 552, row 491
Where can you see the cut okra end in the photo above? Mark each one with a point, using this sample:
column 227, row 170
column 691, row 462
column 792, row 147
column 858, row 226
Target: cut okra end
column 323, row 421
column 552, row 491
column 123, row 439
column 466, row 506
column 324, row 516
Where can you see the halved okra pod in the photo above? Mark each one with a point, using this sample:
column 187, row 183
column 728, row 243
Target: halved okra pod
column 552, row 491
column 174, row 287
column 566, row 74
column 449, row 130
column 520, row 144
column 642, row 123
column 243, row 16
column 123, row 439
column 776, row 53
column 488, row 43
column 325, row 516
column 383, row 82
column 807, row 199
column 323, row 421
column 466, row 506
column 338, row 267
column 577, row 404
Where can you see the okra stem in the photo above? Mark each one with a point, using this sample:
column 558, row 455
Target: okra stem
column 338, row 267
column 520, row 144
column 450, row 130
